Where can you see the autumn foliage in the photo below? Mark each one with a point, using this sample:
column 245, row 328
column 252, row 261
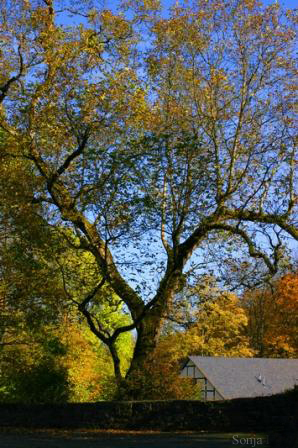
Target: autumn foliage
column 140, row 148
column 273, row 318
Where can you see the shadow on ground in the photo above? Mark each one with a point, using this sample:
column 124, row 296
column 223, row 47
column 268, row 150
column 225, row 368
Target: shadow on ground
column 95, row 439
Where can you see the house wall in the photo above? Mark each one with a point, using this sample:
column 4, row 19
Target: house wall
column 208, row 391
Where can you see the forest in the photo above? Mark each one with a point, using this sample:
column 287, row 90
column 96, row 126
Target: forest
column 148, row 206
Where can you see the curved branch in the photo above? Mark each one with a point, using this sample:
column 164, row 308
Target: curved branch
column 65, row 203
column 90, row 296
column 270, row 218
column 253, row 252
column 70, row 158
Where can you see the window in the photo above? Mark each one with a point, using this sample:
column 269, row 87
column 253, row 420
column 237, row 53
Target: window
column 190, row 371
column 208, row 391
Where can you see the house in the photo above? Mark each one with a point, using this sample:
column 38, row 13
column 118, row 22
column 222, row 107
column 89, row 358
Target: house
column 227, row 378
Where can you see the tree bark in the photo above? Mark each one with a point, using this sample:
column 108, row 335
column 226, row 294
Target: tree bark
column 147, row 337
column 149, row 327
column 116, row 363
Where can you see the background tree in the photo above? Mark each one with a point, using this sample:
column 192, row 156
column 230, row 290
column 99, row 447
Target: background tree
column 46, row 352
column 273, row 318
column 55, row 363
column 219, row 329
column 154, row 135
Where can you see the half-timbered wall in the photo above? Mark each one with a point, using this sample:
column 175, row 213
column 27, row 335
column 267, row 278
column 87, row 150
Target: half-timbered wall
column 208, row 391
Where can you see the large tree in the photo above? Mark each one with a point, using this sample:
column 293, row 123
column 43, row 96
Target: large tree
column 154, row 138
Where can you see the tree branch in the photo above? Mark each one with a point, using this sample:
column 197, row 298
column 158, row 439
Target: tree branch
column 269, row 218
column 4, row 89
column 70, row 158
column 253, row 252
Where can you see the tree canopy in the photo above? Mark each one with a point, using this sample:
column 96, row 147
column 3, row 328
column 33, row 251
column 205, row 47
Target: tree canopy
column 158, row 140
column 273, row 317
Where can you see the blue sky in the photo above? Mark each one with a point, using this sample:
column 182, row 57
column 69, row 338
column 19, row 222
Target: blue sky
column 169, row 3
column 112, row 4
column 166, row 4
column 286, row 3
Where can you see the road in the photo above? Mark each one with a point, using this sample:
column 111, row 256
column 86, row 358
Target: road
column 96, row 439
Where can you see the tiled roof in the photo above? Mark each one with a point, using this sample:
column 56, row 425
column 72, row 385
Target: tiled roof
column 248, row 377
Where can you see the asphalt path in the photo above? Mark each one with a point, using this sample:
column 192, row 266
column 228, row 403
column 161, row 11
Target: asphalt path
column 94, row 439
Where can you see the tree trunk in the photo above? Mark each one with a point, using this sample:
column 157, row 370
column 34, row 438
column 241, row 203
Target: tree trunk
column 116, row 363
column 147, row 336
column 148, row 330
